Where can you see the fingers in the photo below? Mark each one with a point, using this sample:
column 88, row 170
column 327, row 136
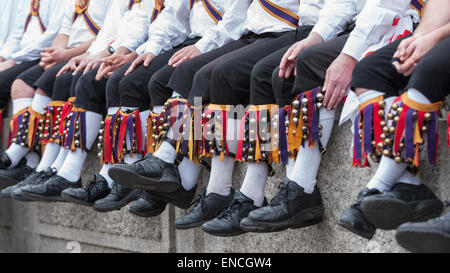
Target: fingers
column 101, row 72
column 408, row 52
column 148, row 60
column 63, row 70
column 79, row 68
column 180, row 61
column 289, row 69
column 328, row 88
column 175, row 59
column 408, row 72
column 285, row 60
column 295, row 52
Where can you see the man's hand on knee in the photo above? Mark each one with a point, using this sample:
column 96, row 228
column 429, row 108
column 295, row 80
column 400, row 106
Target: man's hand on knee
column 183, row 55
column 337, row 80
column 144, row 59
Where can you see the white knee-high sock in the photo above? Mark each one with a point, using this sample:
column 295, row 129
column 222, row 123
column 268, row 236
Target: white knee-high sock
column 290, row 166
column 387, row 174
column 221, row 177
column 255, row 182
column 308, row 159
column 409, row 178
column 189, row 172
column 32, row 159
column 50, row 154
column 19, row 104
column 59, row 161
column 39, row 101
column 104, row 172
column 16, row 152
column 73, row 164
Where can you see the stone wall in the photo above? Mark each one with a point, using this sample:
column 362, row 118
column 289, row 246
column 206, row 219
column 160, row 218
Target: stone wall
column 64, row 227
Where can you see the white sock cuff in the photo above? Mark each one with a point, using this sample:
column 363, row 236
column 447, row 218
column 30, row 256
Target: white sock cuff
column 417, row 96
column 175, row 94
column 326, row 114
column 126, row 109
column 369, row 95
column 39, row 101
column 112, row 110
column 158, row 109
column 22, row 103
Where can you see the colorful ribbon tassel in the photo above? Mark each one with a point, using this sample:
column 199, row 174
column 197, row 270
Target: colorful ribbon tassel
column 304, row 121
column 263, row 135
column 113, row 136
column 26, row 129
column 75, row 132
column 368, row 128
column 55, row 121
column 412, row 124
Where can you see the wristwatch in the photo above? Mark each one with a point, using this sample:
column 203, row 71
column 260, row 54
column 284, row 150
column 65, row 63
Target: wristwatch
column 111, row 49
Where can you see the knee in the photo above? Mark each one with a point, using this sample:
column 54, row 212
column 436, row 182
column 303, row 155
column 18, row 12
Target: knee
column 19, row 89
column 124, row 85
column 221, row 72
column 305, row 59
column 260, row 72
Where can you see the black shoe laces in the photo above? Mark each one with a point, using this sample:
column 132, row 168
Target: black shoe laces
column 94, row 187
column 234, row 206
column 283, row 194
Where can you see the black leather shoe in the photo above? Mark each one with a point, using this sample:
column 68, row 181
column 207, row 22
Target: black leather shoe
column 146, row 206
column 10, row 177
column 34, row 178
column 403, row 203
column 51, row 190
column 353, row 219
column 5, row 161
column 94, row 190
column 228, row 222
column 206, row 207
column 180, row 198
column 431, row 236
column 150, row 173
column 118, row 198
column 290, row 208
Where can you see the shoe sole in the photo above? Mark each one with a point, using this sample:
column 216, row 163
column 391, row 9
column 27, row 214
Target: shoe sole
column 37, row 197
column 6, row 181
column 191, row 225
column 132, row 196
column 71, row 199
column 224, row 234
column 423, row 242
column 351, row 228
column 20, row 198
column 5, row 195
column 146, row 214
column 389, row 214
column 134, row 180
column 305, row 218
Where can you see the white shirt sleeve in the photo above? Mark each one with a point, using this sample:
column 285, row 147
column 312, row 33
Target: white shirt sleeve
column 12, row 44
column 66, row 24
column 334, row 18
column 230, row 28
column 372, row 23
column 32, row 52
column 134, row 31
column 171, row 27
column 108, row 33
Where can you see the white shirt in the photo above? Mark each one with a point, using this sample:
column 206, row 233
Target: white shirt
column 177, row 22
column 373, row 18
column 260, row 21
column 9, row 13
column 135, row 32
column 123, row 23
column 374, row 21
column 34, row 40
column 78, row 31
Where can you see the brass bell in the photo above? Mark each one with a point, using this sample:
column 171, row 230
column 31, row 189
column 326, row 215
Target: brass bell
column 305, row 118
column 381, row 113
column 400, row 109
column 386, row 152
column 382, row 136
column 160, row 128
column 394, row 106
column 296, row 103
column 100, row 155
column 319, row 105
column 382, row 104
column 390, row 116
column 166, row 126
column 294, row 112
column 424, row 128
column 382, row 123
column 391, row 130
column 380, row 145
column 304, row 110
column 295, row 120
column 319, row 96
column 388, row 141
column 304, row 101
column 427, row 116
column 396, row 119
column 385, row 129
column 398, row 159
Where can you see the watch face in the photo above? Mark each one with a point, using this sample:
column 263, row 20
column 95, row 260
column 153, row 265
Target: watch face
column 111, row 49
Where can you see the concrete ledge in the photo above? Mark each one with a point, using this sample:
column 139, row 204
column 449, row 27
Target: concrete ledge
column 62, row 227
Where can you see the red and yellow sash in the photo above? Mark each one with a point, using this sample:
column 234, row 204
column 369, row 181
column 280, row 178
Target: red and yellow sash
column 34, row 11
column 81, row 7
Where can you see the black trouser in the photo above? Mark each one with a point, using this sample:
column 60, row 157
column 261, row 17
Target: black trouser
column 431, row 76
column 8, row 76
column 64, row 86
column 226, row 80
column 47, row 80
column 168, row 79
column 133, row 88
column 312, row 64
column 261, row 90
column 91, row 94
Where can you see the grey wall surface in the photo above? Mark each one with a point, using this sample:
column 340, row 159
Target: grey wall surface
column 64, row 227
